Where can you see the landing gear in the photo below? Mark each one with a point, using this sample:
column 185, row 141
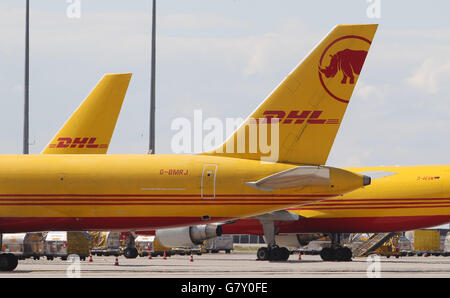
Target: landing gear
column 263, row 254
column 272, row 252
column 8, row 262
column 130, row 252
column 336, row 252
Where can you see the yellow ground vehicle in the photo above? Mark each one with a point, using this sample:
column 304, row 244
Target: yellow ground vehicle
column 63, row 244
column 105, row 243
column 391, row 248
column 147, row 245
column 425, row 242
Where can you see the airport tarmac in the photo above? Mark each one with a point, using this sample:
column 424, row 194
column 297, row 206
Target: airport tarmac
column 234, row 265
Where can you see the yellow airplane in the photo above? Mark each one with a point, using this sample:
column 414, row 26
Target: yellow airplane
column 244, row 177
column 90, row 128
column 91, row 124
column 398, row 199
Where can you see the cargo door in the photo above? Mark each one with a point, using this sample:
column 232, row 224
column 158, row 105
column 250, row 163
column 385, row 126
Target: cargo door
column 208, row 186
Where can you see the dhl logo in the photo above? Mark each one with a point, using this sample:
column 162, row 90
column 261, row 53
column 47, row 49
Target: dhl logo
column 88, row 143
column 297, row 117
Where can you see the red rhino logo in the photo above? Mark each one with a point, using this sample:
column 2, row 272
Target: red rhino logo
column 349, row 62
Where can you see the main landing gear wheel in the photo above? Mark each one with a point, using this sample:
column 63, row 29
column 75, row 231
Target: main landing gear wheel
column 130, row 253
column 273, row 254
column 262, row 254
column 340, row 254
column 8, row 262
column 284, row 253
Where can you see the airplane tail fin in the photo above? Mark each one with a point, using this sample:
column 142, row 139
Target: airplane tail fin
column 301, row 117
column 90, row 128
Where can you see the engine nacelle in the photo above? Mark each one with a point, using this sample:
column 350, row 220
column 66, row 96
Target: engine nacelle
column 187, row 236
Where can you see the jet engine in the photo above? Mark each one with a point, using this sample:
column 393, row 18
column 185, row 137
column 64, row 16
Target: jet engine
column 187, row 236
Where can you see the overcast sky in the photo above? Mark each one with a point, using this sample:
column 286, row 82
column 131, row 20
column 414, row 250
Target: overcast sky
column 225, row 57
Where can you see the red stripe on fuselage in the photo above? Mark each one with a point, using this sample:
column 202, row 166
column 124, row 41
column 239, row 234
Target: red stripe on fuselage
column 31, row 224
column 210, row 202
column 341, row 225
column 165, row 195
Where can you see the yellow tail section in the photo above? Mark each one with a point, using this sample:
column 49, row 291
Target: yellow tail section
column 303, row 114
column 90, row 128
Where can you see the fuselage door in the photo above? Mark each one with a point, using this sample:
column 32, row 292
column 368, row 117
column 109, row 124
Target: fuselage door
column 208, row 185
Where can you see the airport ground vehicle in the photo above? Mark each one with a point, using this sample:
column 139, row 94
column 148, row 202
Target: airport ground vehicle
column 105, row 243
column 425, row 242
column 397, row 246
column 63, row 244
column 314, row 247
column 447, row 245
column 147, row 245
column 220, row 243
column 403, row 245
column 24, row 245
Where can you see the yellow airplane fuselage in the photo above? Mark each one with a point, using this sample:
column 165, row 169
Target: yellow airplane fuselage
column 106, row 192
column 412, row 197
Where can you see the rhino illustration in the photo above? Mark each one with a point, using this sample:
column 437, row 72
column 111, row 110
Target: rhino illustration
column 348, row 61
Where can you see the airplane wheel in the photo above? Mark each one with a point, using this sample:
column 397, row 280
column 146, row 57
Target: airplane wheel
column 284, row 253
column 262, row 254
column 4, row 262
column 130, row 253
column 327, row 254
column 275, row 254
column 343, row 254
column 8, row 262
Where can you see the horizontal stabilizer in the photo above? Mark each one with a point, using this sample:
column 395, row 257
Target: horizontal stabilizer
column 293, row 178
